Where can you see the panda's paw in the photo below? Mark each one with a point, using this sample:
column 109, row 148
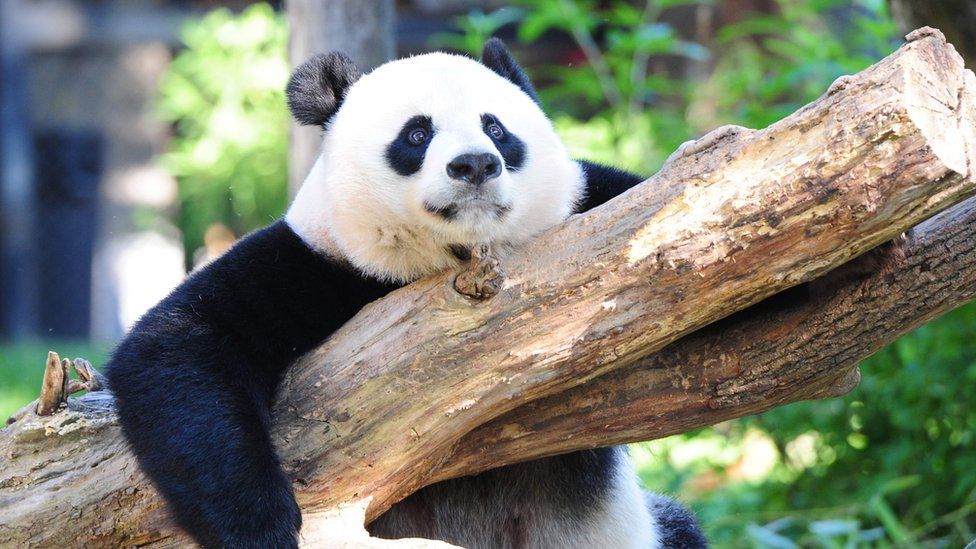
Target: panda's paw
column 257, row 514
column 676, row 525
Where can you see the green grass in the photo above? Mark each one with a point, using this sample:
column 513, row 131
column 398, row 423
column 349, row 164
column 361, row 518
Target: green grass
column 22, row 366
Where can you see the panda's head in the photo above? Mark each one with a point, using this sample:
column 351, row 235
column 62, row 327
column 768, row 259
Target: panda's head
column 426, row 157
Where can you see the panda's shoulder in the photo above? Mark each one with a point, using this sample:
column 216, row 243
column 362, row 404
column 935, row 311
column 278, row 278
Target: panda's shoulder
column 271, row 287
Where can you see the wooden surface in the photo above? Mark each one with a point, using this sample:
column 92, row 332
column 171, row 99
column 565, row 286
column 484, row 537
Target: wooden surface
column 407, row 392
column 798, row 345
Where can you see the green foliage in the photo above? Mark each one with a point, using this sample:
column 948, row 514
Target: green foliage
column 621, row 107
column 610, row 108
column 614, row 105
column 474, row 29
column 224, row 95
column 772, row 64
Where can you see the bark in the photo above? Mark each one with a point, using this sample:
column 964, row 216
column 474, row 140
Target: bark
column 427, row 384
column 801, row 344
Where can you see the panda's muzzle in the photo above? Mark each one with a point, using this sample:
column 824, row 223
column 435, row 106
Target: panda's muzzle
column 475, row 168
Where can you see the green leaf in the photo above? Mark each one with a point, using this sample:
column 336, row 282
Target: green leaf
column 768, row 538
column 883, row 512
column 835, row 527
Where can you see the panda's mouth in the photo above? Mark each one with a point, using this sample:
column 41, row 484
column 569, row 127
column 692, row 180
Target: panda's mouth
column 448, row 213
column 454, row 210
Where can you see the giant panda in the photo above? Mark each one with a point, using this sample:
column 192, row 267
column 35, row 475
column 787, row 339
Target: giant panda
column 422, row 159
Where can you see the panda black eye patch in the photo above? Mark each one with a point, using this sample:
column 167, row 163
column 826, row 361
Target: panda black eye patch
column 508, row 144
column 406, row 153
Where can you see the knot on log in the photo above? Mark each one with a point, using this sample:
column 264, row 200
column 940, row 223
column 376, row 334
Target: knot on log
column 483, row 277
column 711, row 139
column 925, row 32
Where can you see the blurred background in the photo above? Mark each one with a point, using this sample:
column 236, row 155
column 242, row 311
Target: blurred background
column 140, row 138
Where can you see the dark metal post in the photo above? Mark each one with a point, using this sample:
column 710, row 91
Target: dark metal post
column 69, row 171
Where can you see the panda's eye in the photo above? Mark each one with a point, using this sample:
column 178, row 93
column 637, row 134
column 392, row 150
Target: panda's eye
column 417, row 136
column 495, row 131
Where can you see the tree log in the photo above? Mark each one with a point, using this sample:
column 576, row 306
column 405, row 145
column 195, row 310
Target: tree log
column 427, row 384
column 797, row 345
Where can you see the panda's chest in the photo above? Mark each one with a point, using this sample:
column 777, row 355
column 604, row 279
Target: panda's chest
column 412, row 252
column 402, row 239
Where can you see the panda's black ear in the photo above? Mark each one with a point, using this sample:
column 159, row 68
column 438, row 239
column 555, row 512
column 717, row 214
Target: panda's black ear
column 318, row 86
column 496, row 57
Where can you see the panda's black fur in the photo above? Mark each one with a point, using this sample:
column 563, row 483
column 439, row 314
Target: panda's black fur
column 195, row 378
column 317, row 87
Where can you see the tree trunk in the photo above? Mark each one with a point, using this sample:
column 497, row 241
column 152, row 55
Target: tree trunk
column 801, row 344
column 363, row 29
column 427, row 384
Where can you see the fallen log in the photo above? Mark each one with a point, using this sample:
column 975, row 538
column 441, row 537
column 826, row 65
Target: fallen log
column 406, row 393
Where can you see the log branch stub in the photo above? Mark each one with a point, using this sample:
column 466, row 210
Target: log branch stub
column 54, row 385
column 91, row 379
column 482, row 277
column 57, row 385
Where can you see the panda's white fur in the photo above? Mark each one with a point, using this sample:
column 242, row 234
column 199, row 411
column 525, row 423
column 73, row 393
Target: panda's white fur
column 474, row 516
column 354, row 204
column 622, row 520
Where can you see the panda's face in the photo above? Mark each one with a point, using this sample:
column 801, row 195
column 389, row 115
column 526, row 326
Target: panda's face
column 427, row 157
column 464, row 165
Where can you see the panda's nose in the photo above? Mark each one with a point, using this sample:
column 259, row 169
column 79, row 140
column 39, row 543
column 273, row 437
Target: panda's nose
column 475, row 168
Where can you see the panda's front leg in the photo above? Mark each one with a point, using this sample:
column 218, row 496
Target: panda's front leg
column 199, row 425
